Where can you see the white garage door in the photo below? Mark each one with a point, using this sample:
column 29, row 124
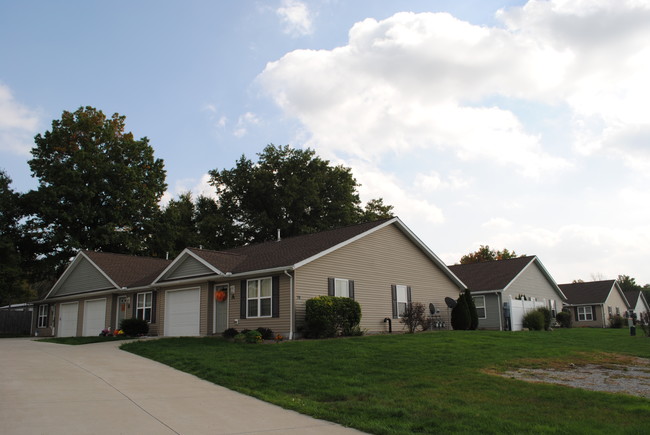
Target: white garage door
column 94, row 317
column 182, row 312
column 68, row 320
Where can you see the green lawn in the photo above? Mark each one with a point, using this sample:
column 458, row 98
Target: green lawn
column 423, row 383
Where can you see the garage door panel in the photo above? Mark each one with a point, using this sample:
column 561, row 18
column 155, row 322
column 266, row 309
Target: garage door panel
column 68, row 314
column 94, row 317
column 182, row 312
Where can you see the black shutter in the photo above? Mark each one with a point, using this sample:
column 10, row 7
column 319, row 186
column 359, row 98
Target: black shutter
column 153, row 306
column 243, row 302
column 408, row 294
column 134, row 305
column 593, row 312
column 275, row 296
column 393, row 292
column 351, row 288
column 330, row 286
column 577, row 315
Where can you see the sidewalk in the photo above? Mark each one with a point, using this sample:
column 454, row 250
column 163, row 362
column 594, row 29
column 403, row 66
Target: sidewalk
column 50, row 388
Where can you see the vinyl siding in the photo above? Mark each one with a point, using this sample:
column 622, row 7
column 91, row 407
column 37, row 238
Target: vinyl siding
column 533, row 284
column 84, row 278
column 190, row 266
column 374, row 262
column 614, row 300
column 492, row 311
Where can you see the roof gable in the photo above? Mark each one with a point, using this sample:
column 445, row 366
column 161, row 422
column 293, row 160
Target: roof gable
column 96, row 271
column 491, row 275
column 187, row 264
column 592, row 292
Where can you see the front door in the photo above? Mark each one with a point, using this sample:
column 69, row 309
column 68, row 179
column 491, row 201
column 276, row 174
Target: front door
column 121, row 310
column 220, row 308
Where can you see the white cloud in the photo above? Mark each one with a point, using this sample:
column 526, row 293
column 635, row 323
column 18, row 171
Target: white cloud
column 497, row 224
column 433, row 181
column 200, row 187
column 18, row 124
column 296, row 17
column 244, row 122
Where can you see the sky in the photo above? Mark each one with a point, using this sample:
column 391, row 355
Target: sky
column 515, row 124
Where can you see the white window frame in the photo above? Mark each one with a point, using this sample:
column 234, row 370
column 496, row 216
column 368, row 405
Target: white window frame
column 401, row 295
column 259, row 298
column 480, row 306
column 142, row 305
column 585, row 314
column 341, row 287
column 43, row 311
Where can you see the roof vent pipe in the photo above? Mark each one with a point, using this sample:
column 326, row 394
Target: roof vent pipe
column 279, row 235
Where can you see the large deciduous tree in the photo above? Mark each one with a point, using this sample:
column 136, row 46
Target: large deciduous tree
column 98, row 189
column 288, row 189
column 484, row 253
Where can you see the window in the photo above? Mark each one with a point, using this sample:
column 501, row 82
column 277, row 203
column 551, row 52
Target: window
column 341, row 288
column 402, row 299
column 618, row 311
column 42, row 316
column 479, row 302
column 584, row 314
column 259, row 293
column 551, row 306
column 143, row 306
column 609, row 310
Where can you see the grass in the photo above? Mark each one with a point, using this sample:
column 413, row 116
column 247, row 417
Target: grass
column 424, row 383
column 83, row 340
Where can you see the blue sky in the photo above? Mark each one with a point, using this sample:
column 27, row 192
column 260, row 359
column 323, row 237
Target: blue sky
column 518, row 124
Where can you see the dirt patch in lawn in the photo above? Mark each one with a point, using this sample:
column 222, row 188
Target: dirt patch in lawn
column 606, row 372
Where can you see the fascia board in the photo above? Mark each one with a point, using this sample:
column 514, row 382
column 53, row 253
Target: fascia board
column 68, row 271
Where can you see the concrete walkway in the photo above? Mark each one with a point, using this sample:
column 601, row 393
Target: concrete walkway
column 50, row 388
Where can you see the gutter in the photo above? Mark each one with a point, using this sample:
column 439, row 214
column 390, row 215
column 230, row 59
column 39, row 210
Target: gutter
column 291, row 307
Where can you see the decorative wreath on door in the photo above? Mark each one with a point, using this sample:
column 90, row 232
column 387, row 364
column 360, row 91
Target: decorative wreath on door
column 221, row 295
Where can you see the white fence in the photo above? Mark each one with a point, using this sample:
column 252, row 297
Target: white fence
column 518, row 310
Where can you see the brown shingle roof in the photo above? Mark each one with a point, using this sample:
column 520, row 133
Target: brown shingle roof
column 128, row 270
column 490, row 275
column 593, row 292
column 283, row 253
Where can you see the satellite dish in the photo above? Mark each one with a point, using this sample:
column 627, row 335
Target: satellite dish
column 450, row 302
column 432, row 309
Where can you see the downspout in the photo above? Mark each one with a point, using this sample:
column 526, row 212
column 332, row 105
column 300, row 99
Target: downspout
column 291, row 297
column 500, row 302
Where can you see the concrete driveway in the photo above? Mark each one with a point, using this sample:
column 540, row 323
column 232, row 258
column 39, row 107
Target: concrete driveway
column 50, row 388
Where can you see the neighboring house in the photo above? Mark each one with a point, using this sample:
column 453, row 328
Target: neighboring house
column 638, row 302
column 382, row 265
column 498, row 286
column 594, row 303
column 97, row 291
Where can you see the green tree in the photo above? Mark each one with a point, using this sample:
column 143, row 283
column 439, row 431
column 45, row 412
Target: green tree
column 375, row 210
column 13, row 285
column 627, row 283
column 288, row 189
column 175, row 228
column 98, row 189
column 484, row 253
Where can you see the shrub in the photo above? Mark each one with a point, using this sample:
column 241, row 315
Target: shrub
column 134, row 327
column 267, row 334
column 229, row 333
column 616, row 321
column 239, row 338
column 564, row 319
column 253, row 337
column 473, row 315
column 547, row 317
column 414, row 316
column 534, row 320
column 460, row 317
column 328, row 316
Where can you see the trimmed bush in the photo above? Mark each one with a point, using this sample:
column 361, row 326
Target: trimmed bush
column 547, row 317
column 253, row 337
column 534, row 320
column 616, row 321
column 564, row 319
column 229, row 333
column 134, row 327
column 473, row 315
column 329, row 316
column 267, row 334
column 460, row 317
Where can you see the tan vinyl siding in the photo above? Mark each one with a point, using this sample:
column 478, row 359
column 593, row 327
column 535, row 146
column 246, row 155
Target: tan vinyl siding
column 614, row 300
column 188, row 267
column 533, row 284
column 84, row 278
column 279, row 325
column 375, row 262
